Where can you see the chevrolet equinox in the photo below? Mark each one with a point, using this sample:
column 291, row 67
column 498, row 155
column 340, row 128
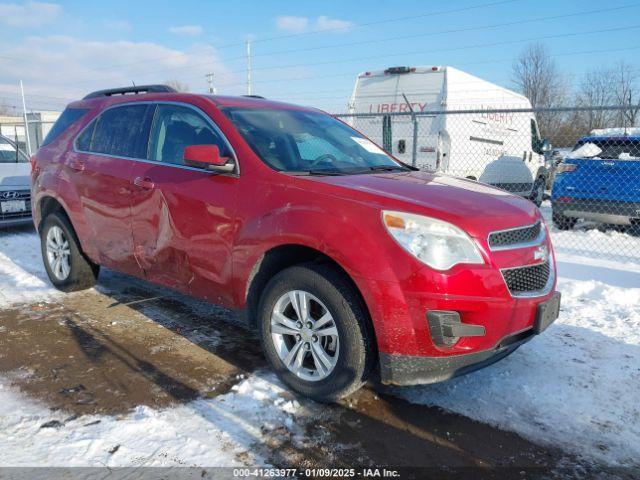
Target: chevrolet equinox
column 347, row 262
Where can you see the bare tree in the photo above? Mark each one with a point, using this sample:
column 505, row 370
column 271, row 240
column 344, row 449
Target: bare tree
column 626, row 92
column 536, row 75
column 595, row 91
column 178, row 85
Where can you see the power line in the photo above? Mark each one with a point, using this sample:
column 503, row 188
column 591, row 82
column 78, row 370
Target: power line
column 464, row 63
column 377, row 22
column 441, row 32
column 464, row 47
column 404, row 37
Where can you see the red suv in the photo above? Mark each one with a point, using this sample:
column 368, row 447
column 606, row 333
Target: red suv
column 346, row 261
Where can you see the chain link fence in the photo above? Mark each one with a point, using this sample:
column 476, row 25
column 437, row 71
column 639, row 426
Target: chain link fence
column 14, row 129
column 580, row 165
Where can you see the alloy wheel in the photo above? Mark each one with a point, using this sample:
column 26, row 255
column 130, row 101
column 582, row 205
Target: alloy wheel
column 305, row 335
column 58, row 253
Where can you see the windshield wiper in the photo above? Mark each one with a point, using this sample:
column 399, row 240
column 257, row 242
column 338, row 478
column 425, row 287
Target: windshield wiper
column 319, row 173
column 386, row 168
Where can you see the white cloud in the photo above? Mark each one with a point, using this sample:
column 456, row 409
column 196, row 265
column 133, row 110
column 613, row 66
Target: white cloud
column 303, row 24
column 62, row 68
column 326, row 23
column 188, row 30
column 28, row 14
column 292, row 24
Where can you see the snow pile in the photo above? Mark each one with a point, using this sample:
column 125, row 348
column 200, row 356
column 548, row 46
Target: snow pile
column 22, row 275
column 577, row 384
column 586, row 240
column 214, row 432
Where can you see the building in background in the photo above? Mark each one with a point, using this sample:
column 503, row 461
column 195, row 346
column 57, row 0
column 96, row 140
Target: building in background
column 40, row 122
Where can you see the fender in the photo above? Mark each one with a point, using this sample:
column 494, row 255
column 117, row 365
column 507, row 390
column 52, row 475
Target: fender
column 365, row 261
column 71, row 206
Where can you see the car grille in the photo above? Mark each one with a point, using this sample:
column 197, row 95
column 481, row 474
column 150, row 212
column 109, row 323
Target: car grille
column 528, row 280
column 514, row 237
column 21, row 195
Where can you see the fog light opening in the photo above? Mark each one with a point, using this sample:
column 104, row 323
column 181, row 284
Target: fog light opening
column 447, row 328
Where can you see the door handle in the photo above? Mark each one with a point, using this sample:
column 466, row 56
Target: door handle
column 144, row 183
column 77, row 165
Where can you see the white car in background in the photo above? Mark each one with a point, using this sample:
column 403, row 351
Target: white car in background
column 15, row 185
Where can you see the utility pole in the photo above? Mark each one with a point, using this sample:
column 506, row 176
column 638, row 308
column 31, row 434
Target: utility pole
column 212, row 89
column 248, row 42
column 26, row 122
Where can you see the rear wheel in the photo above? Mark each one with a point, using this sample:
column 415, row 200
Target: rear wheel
column 561, row 221
column 67, row 267
column 313, row 329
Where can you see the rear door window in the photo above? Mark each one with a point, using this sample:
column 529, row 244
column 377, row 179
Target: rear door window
column 68, row 118
column 122, row 131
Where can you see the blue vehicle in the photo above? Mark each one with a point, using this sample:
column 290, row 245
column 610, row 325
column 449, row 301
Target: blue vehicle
column 599, row 181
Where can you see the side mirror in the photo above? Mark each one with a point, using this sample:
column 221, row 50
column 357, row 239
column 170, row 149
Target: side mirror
column 546, row 146
column 207, row 157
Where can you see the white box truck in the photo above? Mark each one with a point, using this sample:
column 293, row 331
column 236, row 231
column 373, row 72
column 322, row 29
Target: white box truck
column 474, row 139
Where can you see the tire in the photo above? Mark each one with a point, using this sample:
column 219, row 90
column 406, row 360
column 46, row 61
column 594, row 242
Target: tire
column 80, row 273
column 537, row 193
column 634, row 228
column 353, row 351
column 561, row 221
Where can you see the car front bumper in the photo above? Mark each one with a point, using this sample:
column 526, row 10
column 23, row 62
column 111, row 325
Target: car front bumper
column 605, row 211
column 417, row 370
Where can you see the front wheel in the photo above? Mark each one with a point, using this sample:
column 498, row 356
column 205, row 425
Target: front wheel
column 67, row 267
column 313, row 330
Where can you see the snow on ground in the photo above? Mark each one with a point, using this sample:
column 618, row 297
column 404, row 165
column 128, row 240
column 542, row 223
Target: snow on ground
column 215, row 432
column 22, row 275
column 575, row 386
column 588, row 241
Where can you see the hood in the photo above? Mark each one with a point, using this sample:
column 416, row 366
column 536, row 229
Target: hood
column 14, row 175
column 474, row 207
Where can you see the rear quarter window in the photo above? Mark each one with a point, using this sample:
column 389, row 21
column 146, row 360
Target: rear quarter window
column 68, row 118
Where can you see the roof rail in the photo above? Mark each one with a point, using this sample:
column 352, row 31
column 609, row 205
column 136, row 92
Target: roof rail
column 131, row 90
column 254, row 96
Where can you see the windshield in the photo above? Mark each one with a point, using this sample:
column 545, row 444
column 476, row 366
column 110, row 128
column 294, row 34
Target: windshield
column 607, row 148
column 10, row 154
column 309, row 142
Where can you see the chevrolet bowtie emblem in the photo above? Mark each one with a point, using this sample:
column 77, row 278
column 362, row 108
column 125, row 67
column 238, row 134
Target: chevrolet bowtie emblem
column 541, row 253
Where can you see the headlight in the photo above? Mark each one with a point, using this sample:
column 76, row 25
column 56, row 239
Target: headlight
column 439, row 244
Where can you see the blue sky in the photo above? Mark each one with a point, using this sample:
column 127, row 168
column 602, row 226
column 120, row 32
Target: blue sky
column 64, row 49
